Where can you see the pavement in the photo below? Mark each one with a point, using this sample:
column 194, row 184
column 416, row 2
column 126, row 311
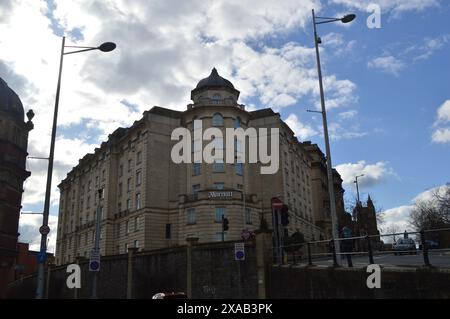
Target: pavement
column 440, row 259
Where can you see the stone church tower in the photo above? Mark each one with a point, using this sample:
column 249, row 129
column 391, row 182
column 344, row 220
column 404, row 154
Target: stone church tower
column 13, row 154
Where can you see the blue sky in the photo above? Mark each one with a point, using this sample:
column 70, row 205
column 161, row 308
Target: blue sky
column 387, row 89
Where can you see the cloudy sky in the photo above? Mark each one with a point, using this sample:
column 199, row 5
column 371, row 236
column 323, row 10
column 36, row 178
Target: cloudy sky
column 387, row 89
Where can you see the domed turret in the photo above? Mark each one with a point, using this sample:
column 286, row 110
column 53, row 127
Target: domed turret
column 216, row 89
column 10, row 102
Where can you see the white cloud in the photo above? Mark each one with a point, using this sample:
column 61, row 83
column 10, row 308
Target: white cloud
column 443, row 113
column 373, row 173
column 387, row 64
column 396, row 6
column 441, row 135
column 399, row 216
column 29, row 231
column 348, row 114
column 302, row 131
column 430, row 46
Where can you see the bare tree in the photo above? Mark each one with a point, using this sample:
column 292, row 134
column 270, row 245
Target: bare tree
column 392, row 229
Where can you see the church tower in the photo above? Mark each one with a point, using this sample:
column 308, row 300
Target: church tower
column 13, row 153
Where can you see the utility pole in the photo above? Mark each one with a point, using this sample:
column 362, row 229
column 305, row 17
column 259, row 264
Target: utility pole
column 96, row 249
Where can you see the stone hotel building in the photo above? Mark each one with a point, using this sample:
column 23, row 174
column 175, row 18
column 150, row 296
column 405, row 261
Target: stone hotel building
column 150, row 202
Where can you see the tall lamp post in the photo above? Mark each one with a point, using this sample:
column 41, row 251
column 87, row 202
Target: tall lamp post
column 357, row 187
column 44, row 229
column 346, row 19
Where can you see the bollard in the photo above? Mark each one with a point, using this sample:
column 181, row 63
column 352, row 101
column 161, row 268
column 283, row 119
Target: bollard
column 333, row 249
column 309, row 255
column 426, row 260
column 369, row 248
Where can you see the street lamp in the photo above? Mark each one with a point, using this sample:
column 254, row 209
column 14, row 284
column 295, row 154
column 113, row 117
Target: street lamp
column 44, row 229
column 357, row 187
column 346, row 19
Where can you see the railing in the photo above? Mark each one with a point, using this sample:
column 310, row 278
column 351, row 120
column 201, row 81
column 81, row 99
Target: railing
column 370, row 246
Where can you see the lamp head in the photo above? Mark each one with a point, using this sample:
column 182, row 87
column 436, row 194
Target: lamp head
column 348, row 18
column 107, row 46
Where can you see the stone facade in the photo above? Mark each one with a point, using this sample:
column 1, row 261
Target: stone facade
column 13, row 154
column 150, row 202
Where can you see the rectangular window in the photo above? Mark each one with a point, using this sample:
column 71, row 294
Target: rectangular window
column 136, row 224
column 120, row 170
column 218, row 166
column 120, row 189
column 138, row 178
column 138, row 157
column 239, row 168
column 220, row 211
column 168, row 231
column 219, row 186
column 191, row 216
column 129, row 185
column 96, row 181
column 248, row 216
column 136, row 244
column 195, row 189
column 240, row 186
column 138, row 201
column 128, row 226
column 103, row 175
column 126, row 248
column 196, row 167
column 129, row 165
column 128, row 203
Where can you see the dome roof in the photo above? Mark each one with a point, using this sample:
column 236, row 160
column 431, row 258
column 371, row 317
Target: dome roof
column 214, row 80
column 10, row 102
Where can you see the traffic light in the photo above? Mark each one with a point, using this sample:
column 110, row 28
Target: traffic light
column 284, row 215
column 224, row 223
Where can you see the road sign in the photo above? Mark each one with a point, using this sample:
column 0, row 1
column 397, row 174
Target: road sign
column 94, row 262
column 44, row 230
column 276, row 203
column 239, row 251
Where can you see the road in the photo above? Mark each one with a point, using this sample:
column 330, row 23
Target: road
column 437, row 259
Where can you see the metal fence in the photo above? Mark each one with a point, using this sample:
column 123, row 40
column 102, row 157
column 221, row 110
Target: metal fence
column 362, row 249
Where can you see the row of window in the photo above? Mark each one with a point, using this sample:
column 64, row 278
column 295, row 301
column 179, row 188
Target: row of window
column 218, row 167
column 130, row 163
column 217, row 120
column 191, row 215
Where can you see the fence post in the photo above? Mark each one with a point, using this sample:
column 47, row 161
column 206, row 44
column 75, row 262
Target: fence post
column 426, row 260
column 333, row 249
column 369, row 248
column 131, row 252
column 264, row 254
column 190, row 242
column 309, row 254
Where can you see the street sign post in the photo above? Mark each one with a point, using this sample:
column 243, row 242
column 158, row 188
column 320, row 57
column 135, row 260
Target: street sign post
column 94, row 262
column 239, row 251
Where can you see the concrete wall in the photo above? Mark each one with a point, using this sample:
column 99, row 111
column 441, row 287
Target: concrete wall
column 350, row 283
column 215, row 274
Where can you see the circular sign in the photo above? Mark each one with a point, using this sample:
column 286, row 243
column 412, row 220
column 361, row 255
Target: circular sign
column 44, row 230
column 246, row 234
column 239, row 254
column 94, row 265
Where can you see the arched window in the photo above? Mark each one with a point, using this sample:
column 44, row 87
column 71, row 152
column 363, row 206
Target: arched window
column 237, row 122
column 216, row 97
column 217, row 120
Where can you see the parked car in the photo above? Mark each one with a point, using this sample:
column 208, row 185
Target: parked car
column 405, row 245
column 170, row 295
column 431, row 244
